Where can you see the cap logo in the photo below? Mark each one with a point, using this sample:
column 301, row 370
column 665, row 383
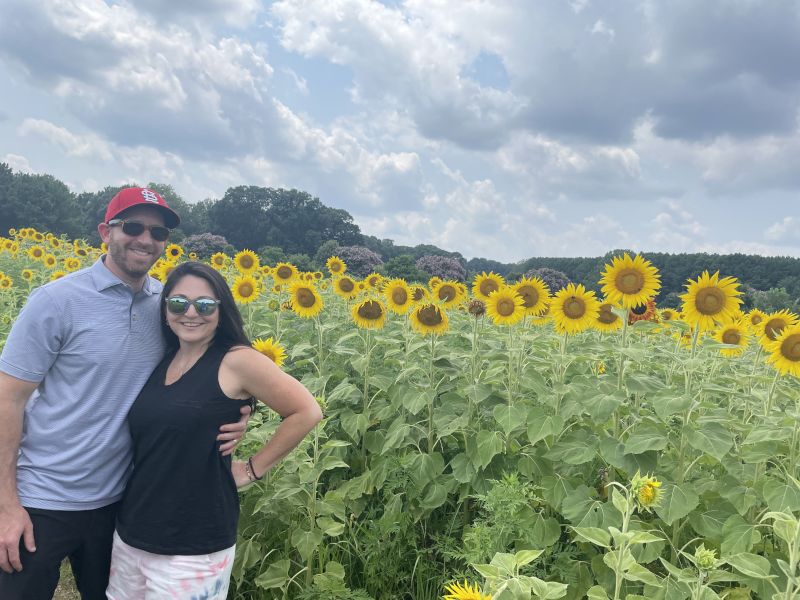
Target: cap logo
column 150, row 196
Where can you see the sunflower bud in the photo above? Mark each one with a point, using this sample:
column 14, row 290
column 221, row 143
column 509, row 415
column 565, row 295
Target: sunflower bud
column 705, row 559
column 646, row 491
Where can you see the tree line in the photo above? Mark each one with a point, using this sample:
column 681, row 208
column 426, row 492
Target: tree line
column 293, row 225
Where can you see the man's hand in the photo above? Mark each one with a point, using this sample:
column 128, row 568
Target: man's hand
column 233, row 432
column 14, row 523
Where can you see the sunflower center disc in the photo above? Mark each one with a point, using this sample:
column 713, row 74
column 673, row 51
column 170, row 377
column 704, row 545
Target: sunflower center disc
column 306, row 298
column 774, row 327
column 731, row 337
column 429, row 316
column 418, row 294
column 529, row 296
column 790, row 348
column 630, row 281
column 446, row 293
column 574, row 308
column 489, row 286
column 245, row 290
column 756, row 319
column 709, row 301
column 370, row 310
column 284, row 272
column 246, row 262
column 399, row 296
column 606, row 316
column 346, row 285
column 505, row 307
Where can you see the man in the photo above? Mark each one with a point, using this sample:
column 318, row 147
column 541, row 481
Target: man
column 74, row 362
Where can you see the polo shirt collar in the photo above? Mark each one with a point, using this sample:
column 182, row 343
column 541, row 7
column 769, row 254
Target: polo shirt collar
column 103, row 278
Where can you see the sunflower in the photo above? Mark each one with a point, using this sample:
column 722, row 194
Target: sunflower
column 192, row 255
column 755, row 318
column 433, row 282
column 447, row 294
column 103, row 248
column 646, row 491
column 420, row 293
column 345, row 287
column 736, row 333
column 477, row 308
column 398, row 296
column 772, row 326
column 39, row 237
column 710, row 299
column 784, row 351
column 545, row 317
column 374, row 280
column 607, row 319
column 27, row 274
column 335, row 265
column 55, row 243
column 317, row 275
column 668, row 314
column 465, row 591
column 685, row 337
column 305, row 299
column 429, row 319
column 574, row 309
column 57, row 275
column 630, row 281
column 72, row 264
column 219, row 260
column 535, row 294
column 49, row 260
column 245, row 289
column 36, row 252
column 369, row 314
column 484, row 284
column 173, row 252
column 246, row 261
column 6, row 283
column 163, row 268
column 80, row 251
column 284, row 273
column 505, row 306
column 271, row 349
column 646, row 311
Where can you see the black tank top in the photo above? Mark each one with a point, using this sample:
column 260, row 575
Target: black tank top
column 181, row 498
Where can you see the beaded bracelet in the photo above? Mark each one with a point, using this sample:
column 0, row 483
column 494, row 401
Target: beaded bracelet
column 251, row 472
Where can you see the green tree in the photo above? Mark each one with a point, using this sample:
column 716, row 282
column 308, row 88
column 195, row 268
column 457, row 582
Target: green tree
column 404, row 267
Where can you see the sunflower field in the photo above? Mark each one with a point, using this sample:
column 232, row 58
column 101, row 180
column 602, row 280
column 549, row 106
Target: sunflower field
column 499, row 441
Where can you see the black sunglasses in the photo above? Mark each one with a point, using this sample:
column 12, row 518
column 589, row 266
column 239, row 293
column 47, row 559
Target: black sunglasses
column 178, row 305
column 134, row 229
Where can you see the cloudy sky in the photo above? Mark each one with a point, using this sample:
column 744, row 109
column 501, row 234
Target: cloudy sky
column 504, row 129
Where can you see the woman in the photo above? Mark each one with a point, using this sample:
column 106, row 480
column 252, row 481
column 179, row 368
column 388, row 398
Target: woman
column 176, row 528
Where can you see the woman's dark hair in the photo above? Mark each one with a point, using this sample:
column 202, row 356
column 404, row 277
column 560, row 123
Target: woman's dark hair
column 230, row 331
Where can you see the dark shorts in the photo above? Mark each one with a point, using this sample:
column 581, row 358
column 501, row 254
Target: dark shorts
column 83, row 536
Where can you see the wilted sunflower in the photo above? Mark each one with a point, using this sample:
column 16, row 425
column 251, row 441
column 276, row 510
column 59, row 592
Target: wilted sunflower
column 369, row 314
column 710, row 299
column 246, row 261
column 72, row 264
column 574, row 309
column 420, row 293
column 646, row 311
column 607, row 320
column 736, row 333
column 305, row 299
column 486, row 283
column 646, row 491
column 755, row 318
column 447, row 294
column 505, row 306
column 284, row 272
column 245, row 289
column 345, row 287
column 784, row 352
column 398, row 296
column 219, row 260
column 668, row 314
column 271, row 349
column 335, row 265
column 774, row 324
column 429, row 319
column 477, row 308
column 36, row 252
column 630, row 281
column 465, row 591
column 173, row 252
column 535, row 294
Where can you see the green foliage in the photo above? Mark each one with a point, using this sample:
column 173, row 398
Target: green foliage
column 404, row 266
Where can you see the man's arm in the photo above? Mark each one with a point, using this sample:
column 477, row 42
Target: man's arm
column 14, row 520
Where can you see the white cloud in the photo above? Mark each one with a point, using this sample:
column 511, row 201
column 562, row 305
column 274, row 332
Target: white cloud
column 83, row 146
column 786, row 229
column 17, row 163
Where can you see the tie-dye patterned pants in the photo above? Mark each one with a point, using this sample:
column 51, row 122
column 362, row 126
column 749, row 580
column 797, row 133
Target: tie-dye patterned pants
column 140, row 575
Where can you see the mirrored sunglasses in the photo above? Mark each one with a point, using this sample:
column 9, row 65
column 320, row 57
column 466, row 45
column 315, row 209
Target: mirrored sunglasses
column 178, row 305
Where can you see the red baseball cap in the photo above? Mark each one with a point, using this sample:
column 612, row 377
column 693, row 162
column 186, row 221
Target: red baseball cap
column 136, row 196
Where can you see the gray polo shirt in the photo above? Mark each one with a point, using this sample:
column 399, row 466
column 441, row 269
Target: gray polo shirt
column 90, row 343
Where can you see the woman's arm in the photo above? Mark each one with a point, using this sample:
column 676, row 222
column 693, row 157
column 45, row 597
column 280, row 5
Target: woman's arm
column 245, row 372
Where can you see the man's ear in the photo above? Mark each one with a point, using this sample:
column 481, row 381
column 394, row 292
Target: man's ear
column 105, row 232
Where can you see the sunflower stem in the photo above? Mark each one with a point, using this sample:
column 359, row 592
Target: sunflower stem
column 623, row 343
column 432, row 393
